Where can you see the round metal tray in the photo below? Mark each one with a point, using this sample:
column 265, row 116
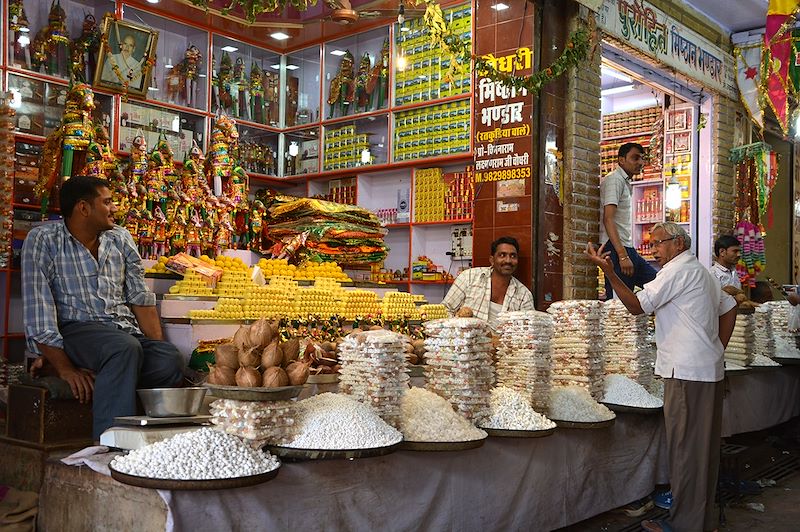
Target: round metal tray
column 323, row 378
column 632, row 409
column 441, row 445
column 787, row 361
column 241, row 393
column 329, row 454
column 508, row 433
column 583, row 424
column 171, row 484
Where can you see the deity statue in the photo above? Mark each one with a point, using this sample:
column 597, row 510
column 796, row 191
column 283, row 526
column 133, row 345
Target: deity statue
column 363, row 96
column 342, row 88
column 182, row 78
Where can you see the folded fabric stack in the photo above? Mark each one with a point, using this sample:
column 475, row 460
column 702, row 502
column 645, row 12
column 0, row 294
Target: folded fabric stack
column 524, row 355
column 785, row 345
column 741, row 347
column 324, row 231
column 763, row 340
column 256, row 421
column 459, row 364
column 630, row 348
column 578, row 345
column 374, row 371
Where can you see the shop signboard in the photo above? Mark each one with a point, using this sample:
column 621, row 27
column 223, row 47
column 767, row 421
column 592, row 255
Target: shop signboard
column 502, row 129
column 651, row 31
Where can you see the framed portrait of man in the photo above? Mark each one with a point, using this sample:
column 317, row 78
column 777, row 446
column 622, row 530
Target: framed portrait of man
column 127, row 56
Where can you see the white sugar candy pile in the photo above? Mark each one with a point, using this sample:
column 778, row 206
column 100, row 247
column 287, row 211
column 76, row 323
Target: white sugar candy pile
column 524, row 354
column 573, row 403
column 762, row 361
column 785, row 345
column 740, row 349
column 426, row 417
column 459, row 364
column 578, row 345
column 629, row 343
column 510, row 410
column 621, row 390
column 374, row 371
column 332, row 421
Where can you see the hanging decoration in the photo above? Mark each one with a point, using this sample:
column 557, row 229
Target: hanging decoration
column 781, row 15
column 748, row 79
column 753, row 259
column 6, row 178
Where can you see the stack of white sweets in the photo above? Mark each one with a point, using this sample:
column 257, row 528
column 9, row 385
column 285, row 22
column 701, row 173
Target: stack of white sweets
column 459, row 364
column 785, row 345
column 374, row 371
column 763, row 340
column 740, row 350
column 254, row 421
column 629, row 343
column 524, row 355
column 578, row 345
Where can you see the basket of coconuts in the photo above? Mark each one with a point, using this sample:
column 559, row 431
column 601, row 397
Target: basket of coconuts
column 256, row 362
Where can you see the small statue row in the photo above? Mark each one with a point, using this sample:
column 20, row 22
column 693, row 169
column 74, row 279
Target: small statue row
column 253, row 98
column 360, row 92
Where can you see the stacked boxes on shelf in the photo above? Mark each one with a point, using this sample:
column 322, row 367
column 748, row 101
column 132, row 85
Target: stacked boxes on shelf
column 630, row 126
column 423, row 77
column 650, row 207
column 459, row 195
column 343, row 148
column 432, row 131
column 442, row 197
column 637, row 122
column 342, row 191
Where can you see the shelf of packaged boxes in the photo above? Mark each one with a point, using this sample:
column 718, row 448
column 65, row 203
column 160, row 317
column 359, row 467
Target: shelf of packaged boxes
column 432, row 131
column 608, row 155
column 444, row 222
column 628, row 123
column 344, row 144
column 443, row 197
column 422, row 77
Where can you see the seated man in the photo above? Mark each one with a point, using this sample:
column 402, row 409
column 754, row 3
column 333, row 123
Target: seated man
column 489, row 291
column 87, row 308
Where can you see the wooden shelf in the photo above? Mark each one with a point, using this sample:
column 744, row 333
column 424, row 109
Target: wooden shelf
column 443, row 222
column 646, row 182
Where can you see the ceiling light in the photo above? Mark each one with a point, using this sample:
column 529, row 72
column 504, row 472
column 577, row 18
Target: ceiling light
column 608, row 71
column 673, row 194
column 338, row 52
column 229, row 49
column 499, row 6
column 405, row 28
column 292, row 67
column 617, row 90
column 153, row 1
column 279, row 36
column 276, row 67
column 169, row 63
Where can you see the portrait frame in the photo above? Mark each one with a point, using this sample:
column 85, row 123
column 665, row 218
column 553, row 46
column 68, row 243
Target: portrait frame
column 117, row 73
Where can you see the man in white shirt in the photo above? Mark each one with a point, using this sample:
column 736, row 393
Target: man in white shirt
column 694, row 321
column 616, row 221
column 727, row 252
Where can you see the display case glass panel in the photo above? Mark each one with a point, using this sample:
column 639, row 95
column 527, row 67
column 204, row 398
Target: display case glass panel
column 245, row 82
column 40, row 105
column 301, row 152
column 356, row 74
column 302, row 87
column 44, row 48
column 180, row 128
column 433, row 131
column 258, row 151
column 356, row 143
column 420, row 71
column 179, row 75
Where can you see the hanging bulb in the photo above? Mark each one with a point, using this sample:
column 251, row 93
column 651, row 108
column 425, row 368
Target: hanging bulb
column 402, row 62
column 294, row 149
column 366, row 156
column 672, row 198
column 23, row 39
column 401, row 13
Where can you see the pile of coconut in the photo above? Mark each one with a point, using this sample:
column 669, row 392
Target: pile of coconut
column 256, row 357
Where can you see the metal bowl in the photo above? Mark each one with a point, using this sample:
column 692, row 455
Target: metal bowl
column 172, row 402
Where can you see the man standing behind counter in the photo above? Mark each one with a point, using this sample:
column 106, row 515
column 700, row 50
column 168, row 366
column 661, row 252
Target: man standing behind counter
column 616, row 221
column 489, row 291
column 694, row 322
column 87, row 308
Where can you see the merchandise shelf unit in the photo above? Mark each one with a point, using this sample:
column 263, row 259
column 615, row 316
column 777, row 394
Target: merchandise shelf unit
column 283, row 131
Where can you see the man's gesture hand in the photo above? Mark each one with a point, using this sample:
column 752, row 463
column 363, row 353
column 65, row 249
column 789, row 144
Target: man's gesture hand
column 599, row 257
column 81, row 381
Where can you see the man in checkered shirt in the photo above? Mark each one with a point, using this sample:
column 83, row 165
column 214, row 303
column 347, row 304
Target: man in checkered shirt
column 491, row 290
column 87, row 309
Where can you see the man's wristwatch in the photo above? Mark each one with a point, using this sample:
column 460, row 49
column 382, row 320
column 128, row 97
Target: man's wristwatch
column 624, row 257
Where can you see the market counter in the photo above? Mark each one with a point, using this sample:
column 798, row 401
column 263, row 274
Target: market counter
column 759, row 398
column 538, row 484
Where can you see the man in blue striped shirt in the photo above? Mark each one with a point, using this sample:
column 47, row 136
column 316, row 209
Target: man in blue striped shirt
column 87, row 308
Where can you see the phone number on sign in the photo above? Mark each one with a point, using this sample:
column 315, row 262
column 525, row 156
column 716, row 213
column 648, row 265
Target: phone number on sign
column 502, row 175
